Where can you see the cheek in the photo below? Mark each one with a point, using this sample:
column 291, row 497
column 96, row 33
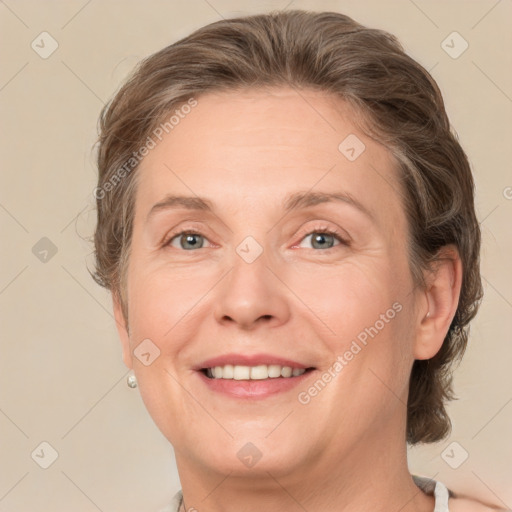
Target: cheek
column 159, row 308
column 350, row 297
column 161, row 300
column 367, row 310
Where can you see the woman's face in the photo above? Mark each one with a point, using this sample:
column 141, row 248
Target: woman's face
column 262, row 275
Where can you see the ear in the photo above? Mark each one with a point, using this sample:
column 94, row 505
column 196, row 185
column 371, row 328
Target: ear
column 122, row 329
column 439, row 303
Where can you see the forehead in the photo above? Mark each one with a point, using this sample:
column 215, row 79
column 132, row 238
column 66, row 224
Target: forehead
column 264, row 145
column 273, row 119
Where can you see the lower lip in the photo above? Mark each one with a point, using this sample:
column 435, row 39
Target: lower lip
column 254, row 388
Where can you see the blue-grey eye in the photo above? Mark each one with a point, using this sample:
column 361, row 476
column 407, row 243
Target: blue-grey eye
column 323, row 239
column 187, row 241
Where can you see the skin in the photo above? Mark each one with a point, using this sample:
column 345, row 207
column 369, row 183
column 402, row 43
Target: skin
column 345, row 450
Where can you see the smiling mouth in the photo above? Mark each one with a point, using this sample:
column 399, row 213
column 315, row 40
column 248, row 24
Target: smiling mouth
column 259, row 372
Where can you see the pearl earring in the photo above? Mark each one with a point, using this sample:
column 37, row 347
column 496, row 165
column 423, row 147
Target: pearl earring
column 131, row 381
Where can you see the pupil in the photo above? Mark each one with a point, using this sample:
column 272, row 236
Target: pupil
column 321, row 239
column 190, row 240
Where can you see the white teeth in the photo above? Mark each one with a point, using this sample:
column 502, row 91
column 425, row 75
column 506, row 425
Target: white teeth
column 259, row 372
column 274, row 370
column 286, row 371
column 228, row 371
column 239, row 372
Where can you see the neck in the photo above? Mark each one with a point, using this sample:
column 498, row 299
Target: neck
column 372, row 475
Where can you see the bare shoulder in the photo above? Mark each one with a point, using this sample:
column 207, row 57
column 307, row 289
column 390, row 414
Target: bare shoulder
column 465, row 504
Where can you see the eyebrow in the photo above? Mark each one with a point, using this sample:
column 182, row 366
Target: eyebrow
column 292, row 202
column 306, row 199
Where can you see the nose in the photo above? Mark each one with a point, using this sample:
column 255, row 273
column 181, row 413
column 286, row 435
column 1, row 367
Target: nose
column 252, row 294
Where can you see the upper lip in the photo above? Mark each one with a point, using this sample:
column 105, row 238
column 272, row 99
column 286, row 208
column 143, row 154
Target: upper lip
column 249, row 360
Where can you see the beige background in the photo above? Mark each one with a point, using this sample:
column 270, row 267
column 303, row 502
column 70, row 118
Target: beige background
column 61, row 376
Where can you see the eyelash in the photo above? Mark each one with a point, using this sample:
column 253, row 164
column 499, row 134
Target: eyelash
column 318, row 230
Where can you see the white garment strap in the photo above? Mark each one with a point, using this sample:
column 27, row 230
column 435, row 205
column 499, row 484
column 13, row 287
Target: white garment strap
column 175, row 504
column 434, row 488
column 442, row 495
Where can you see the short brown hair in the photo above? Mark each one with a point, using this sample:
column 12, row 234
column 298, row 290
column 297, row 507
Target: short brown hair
column 328, row 52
